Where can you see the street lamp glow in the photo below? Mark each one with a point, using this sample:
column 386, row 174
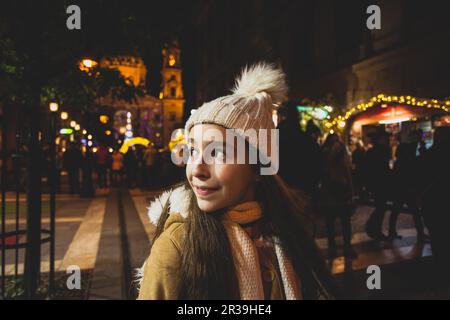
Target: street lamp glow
column 66, row 131
column 87, row 64
column 104, row 119
column 90, row 137
column 64, row 115
column 77, row 127
column 85, row 131
column 90, row 143
column 53, row 106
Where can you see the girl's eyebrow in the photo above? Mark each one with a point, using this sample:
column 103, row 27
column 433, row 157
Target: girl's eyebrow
column 207, row 142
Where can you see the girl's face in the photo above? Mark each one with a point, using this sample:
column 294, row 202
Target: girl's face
column 216, row 184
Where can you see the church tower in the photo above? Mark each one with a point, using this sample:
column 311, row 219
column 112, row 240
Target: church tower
column 172, row 90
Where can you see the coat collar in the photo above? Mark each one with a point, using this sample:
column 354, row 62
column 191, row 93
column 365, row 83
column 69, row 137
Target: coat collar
column 177, row 199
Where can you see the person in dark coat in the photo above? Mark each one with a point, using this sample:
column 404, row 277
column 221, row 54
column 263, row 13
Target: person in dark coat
column 336, row 193
column 378, row 158
column 434, row 180
column 131, row 167
column 73, row 159
column 88, row 166
column 404, row 175
column 300, row 156
column 359, row 171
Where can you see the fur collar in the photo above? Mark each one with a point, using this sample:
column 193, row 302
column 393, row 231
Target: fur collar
column 178, row 200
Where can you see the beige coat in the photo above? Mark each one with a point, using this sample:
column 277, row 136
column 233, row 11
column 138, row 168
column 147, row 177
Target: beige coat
column 161, row 268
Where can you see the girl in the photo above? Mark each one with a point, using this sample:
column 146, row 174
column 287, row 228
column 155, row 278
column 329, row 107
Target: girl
column 229, row 232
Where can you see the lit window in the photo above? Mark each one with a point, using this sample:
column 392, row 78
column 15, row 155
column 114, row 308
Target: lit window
column 171, row 60
column 104, row 118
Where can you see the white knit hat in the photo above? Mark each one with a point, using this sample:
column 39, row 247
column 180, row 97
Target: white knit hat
column 258, row 90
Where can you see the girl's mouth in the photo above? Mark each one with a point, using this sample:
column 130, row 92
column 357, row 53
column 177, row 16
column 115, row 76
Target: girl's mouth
column 204, row 191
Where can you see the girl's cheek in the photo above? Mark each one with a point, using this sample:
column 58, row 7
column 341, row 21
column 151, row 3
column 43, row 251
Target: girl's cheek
column 189, row 173
column 221, row 174
column 188, row 176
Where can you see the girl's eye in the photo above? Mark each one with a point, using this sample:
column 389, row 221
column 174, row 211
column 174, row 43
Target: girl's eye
column 218, row 154
column 193, row 152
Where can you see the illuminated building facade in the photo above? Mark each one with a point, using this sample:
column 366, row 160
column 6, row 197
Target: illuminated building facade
column 150, row 117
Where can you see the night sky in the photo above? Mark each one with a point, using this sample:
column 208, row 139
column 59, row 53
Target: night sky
column 107, row 27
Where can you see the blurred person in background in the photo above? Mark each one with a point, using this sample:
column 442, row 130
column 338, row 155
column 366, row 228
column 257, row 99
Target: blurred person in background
column 336, row 194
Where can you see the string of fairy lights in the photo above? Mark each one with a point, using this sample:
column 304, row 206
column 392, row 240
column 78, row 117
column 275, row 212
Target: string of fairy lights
column 339, row 122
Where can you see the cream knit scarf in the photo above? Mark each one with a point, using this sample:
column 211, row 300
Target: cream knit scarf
column 245, row 255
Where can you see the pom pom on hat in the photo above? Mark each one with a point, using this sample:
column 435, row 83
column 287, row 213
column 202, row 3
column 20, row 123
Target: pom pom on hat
column 262, row 77
column 259, row 89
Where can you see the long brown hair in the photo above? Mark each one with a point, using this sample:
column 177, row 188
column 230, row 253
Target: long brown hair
column 207, row 270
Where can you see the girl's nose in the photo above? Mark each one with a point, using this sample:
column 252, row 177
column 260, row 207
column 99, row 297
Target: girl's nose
column 200, row 169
